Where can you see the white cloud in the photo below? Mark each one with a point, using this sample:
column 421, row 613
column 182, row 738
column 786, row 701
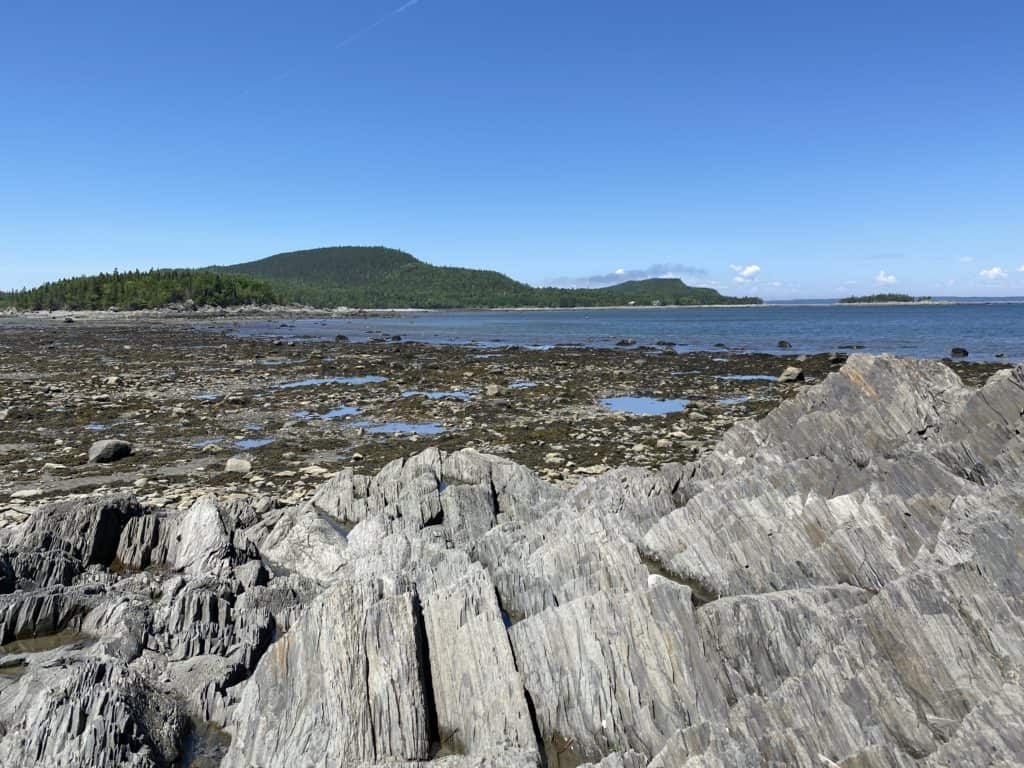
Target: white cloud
column 993, row 273
column 620, row 271
column 883, row 278
column 1020, row 268
column 744, row 274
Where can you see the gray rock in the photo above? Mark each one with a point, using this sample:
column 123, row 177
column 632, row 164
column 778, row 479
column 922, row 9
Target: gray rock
column 792, row 373
column 106, row 451
column 238, row 464
column 345, row 685
column 839, row 583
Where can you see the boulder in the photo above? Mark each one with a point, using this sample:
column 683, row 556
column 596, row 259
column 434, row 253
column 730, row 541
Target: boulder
column 106, row 451
column 792, row 373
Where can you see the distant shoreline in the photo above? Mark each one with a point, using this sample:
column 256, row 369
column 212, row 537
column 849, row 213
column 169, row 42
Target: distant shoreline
column 298, row 312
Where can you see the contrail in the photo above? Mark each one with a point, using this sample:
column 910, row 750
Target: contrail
column 342, row 44
column 355, row 36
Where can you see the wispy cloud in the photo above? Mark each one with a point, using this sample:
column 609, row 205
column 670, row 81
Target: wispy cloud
column 621, row 275
column 884, row 278
column 993, row 273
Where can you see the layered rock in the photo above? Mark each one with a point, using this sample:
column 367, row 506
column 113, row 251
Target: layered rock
column 839, row 583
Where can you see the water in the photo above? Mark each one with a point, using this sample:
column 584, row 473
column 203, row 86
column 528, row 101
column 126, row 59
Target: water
column 393, row 427
column 454, row 395
column 644, row 406
column 332, row 380
column 335, row 413
column 920, row 330
column 247, row 445
column 748, row 377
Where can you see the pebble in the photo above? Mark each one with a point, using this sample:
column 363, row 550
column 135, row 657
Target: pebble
column 237, row 464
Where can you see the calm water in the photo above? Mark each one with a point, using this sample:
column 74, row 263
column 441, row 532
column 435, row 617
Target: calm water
column 916, row 330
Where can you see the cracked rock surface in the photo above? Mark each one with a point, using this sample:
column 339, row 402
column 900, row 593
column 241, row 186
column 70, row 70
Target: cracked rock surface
column 838, row 583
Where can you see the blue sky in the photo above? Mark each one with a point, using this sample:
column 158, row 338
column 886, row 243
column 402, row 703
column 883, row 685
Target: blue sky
column 789, row 149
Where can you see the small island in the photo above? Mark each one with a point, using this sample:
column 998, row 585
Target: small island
column 885, row 298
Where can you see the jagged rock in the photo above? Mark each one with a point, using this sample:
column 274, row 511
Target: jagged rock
column 90, row 712
column 106, row 451
column 347, row 684
column 616, row 670
column 848, row 591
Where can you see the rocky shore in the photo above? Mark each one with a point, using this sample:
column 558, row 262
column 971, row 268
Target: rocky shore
column 194, row 402
column 837, row 583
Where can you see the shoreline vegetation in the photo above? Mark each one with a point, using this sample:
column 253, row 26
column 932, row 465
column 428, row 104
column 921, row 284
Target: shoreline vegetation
column 886, row 298
column 353, row 277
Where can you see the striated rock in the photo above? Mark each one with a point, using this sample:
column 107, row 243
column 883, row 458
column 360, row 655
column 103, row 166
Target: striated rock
column 616, row 670
column 89, row 712
column 346, row 685
column 839, row 583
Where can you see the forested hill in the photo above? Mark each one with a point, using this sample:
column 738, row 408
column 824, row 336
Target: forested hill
column 143, row 290
column 365, row 277
column 383, row 277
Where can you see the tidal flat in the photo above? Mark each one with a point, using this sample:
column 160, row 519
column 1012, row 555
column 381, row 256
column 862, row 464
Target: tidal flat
column 189, row 398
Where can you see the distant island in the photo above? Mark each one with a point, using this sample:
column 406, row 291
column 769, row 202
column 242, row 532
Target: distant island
column 884, row 298
column 372, row 277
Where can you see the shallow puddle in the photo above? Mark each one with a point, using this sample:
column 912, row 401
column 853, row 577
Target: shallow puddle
column 748, row 377
column 332, row 380
column 644, row 406
column 205, row 746
column 256, row 442
column 393, row 427
column 522, row 385
column 453, row 395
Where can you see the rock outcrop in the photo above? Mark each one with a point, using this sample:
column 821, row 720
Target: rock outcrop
column 838, row 584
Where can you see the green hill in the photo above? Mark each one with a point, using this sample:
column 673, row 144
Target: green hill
column 368, row 277
column 380, row 277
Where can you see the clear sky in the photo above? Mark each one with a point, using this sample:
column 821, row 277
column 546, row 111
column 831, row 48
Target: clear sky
column 784, row 149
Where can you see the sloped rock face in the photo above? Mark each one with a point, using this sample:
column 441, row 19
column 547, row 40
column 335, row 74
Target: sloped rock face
column 840, row 583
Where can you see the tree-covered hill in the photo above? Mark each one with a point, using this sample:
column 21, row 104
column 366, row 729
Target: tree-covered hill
column 364, row 277
column 143, row 290
column 383, row 277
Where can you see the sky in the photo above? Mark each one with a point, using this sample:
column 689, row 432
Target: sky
column 785, row 150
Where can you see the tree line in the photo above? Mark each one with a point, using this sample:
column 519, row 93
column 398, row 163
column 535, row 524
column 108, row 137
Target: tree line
column 143, row 290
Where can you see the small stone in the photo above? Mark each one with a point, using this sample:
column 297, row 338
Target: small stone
column 784, row 345
column 791, row 374
column 106, row 451
column 28, row 493
column 959, row 352
column 493, row 390
column 238, row 464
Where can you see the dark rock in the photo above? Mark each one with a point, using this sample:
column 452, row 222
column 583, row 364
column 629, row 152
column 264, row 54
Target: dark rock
column 784, row 345
column 958, row 352
column 106, row 451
